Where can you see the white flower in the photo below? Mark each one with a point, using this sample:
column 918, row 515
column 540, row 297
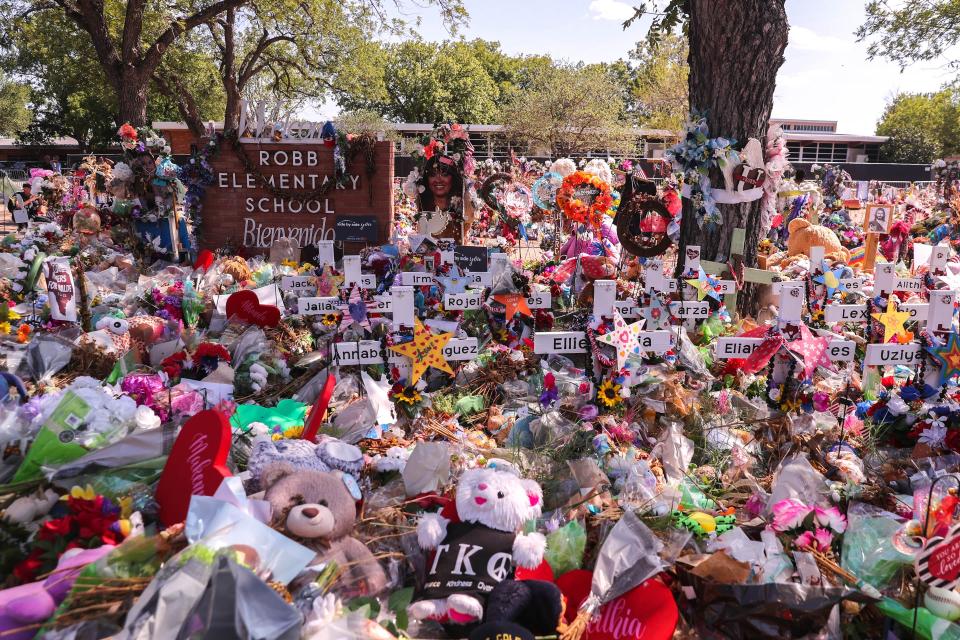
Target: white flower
column 146, row 418
column 897, row 406
column 937, row 420
column 934, row 435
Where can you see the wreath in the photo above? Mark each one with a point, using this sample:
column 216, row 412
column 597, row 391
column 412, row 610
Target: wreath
column 584, row 198
column 642, row 223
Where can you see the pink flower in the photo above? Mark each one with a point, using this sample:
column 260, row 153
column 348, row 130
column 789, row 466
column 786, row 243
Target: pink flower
column 819, row 541
column 852, row 424
column 789, row 514
column 830, row 517
column 821, row 401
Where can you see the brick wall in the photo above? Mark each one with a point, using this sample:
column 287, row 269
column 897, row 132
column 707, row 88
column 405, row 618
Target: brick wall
column 226, row 215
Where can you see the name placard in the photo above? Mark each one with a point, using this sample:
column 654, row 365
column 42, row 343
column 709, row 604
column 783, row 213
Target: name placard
column 837, row 350
column 559, row 342
column 463, row 301
column 298, row 283
column 313, row 306
column 882, row 354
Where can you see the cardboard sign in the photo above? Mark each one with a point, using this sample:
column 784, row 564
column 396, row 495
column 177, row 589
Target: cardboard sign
column 470, row 258
column 196, row 465
column 315, row 306
column 298, row 283
column 559, row 342
column 62, row 290
column 938, row 565
column 356, row 229
column 245, row 306
column 20, row 216
column 463, row 301
column 884, row 354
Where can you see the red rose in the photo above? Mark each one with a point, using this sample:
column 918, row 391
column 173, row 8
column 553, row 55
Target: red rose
column 56, row 528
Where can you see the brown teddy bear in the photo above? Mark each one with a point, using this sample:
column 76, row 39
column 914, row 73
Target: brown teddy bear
column 804, row 235
column 318, row 509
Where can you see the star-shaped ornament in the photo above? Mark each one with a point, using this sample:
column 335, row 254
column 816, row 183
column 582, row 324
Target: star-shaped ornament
column 831, row 279
column 952, row 280
column 515, row 303
column 425, row 350
column 453, row 282
column 625, row 338
column 812, row 349
column 892, row 320
column 706, row 286
column 948, row 357
column 657, row 315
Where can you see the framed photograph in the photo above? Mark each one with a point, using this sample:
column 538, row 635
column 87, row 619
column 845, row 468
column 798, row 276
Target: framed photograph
column 878, row 218
column 440, row 199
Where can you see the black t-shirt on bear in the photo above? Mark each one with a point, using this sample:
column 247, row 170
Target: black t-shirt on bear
column 472, row 559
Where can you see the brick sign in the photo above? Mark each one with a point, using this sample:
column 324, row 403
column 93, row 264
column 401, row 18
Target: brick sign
column 238, row 210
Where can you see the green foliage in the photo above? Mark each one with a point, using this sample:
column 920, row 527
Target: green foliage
column 912, row 30
column 365, row 121
column 423, row 81
column 921, row 126
column 567, row 109
column 654, row 82
column 666, row 18
column 14, row 115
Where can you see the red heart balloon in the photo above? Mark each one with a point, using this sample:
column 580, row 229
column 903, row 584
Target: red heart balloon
column 196, row 464
column 245, row 306
column 204, row 260
column 647, row 612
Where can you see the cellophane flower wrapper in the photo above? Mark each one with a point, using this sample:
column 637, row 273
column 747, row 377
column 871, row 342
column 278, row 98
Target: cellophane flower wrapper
column 565, row 547
column 868, row 549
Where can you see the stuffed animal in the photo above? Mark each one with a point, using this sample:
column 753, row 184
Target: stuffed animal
column 26, row 509
column 476, row 553
column 319, row 510
column 31, row 604
column 804, row 235
column 329, row 454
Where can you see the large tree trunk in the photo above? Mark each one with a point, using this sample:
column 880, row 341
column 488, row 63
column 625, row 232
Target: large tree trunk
column 132, row 97
column 736, row 49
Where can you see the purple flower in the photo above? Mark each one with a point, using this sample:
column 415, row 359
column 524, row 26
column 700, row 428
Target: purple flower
column 589, row 412
column 549, row 396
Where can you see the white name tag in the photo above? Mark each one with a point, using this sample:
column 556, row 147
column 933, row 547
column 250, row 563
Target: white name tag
column 462, row 301
column 539, row 300
column 314, row 306
column 461, row 349
column 417, row 279
column 686, row 310
column 727, row 348
column 846, row 313
column 298, row 283
column 627, row 308
column 559, row 342
column 479, row 278
column 881, row 354
column 362, row 352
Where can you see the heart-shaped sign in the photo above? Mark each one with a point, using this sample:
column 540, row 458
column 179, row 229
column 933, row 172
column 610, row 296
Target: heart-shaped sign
column 196, row 464
column 245, row 306
column 647, row 612
column 938, row 565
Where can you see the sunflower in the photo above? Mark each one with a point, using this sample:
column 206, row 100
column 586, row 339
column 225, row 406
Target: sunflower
column 329, row 319
column 409, row 395
column 609, row 393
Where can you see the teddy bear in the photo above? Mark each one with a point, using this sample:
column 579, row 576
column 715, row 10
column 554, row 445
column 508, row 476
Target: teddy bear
column 469, row 577
column 23, row 607
column 804, row 235
column 319, row 510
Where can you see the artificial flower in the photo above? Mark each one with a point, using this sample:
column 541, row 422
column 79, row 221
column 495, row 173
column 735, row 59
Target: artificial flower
column 820, row 540
column 934, row 435
column 830, row 517
column 408, row 395
column 789, row 514
column 609, row 394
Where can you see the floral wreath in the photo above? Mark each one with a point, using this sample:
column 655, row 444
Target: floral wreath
column 578, row 210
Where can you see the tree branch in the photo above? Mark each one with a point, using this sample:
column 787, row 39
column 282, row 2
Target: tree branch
column 132, row 28
column 151, row 60
column 170, row 86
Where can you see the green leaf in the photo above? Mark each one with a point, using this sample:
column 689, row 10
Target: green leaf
column 398, row 602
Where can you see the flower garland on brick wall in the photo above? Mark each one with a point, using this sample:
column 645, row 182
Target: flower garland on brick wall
column 197, row 175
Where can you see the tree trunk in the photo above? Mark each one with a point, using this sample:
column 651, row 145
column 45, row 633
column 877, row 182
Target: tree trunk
column 132, row 98
column 736, row 49
column 231, row 113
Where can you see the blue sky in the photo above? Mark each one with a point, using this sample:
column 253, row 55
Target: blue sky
column 826, row 74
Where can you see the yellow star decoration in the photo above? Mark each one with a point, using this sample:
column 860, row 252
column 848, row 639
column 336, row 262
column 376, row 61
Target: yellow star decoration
column 515, row 303
column 425, row 350
column 892, row 320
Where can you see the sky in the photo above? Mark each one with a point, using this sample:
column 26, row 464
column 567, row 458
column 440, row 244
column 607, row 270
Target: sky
column 826, row 74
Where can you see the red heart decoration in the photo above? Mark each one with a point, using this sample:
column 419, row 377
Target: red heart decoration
column 204, row 260
column 647, row 612
column 540, row 572
column 195, row 466
column 245, row 306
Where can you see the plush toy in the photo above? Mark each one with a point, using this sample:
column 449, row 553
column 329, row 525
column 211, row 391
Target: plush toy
column 26, row 509
column 30, row 604
column 319, row 510
column 329, row 454
column 898, row 244
column 468, row 576
column 804, row 235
